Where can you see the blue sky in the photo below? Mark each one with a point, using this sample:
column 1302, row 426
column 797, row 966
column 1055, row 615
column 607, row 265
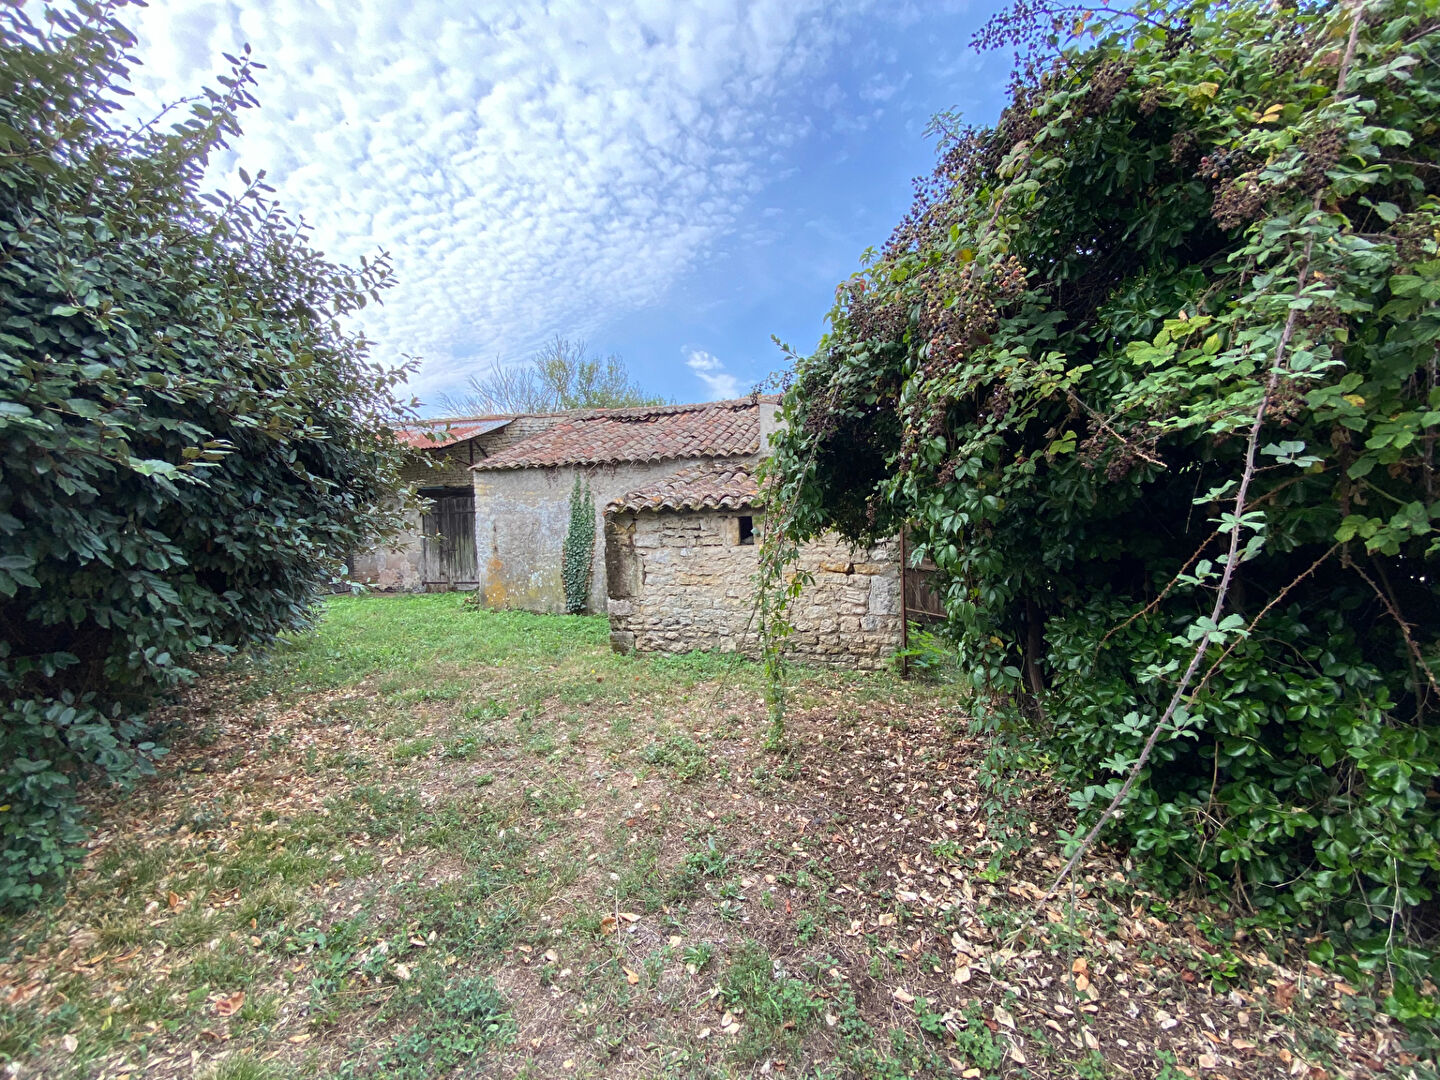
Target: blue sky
column 672, row 182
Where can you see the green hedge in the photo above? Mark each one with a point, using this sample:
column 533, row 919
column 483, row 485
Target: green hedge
column 190, row 442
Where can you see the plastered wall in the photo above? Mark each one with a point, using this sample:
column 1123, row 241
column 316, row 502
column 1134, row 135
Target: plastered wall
column 521, row 517
column 393, row 568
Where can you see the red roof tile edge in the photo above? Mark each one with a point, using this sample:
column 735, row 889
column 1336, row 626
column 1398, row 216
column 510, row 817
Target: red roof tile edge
column 611, row 436
column 440, row 433
column 717, row 486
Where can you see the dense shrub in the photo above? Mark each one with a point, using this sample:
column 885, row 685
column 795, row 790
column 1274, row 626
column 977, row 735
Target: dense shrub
column 1051, row 372
column 189, row 440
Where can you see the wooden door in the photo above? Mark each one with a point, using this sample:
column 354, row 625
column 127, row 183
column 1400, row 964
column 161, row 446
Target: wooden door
column 448, row 535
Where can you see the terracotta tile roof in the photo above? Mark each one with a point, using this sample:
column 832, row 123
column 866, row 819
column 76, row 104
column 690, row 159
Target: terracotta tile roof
column 662, row 433
column 436, row 434
column 715, row 486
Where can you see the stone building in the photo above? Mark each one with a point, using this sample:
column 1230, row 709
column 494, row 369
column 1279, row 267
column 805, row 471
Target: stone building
column 522, row 494
column 498, row 492
column 681, row 558
column 437, row 549
column 677, row 526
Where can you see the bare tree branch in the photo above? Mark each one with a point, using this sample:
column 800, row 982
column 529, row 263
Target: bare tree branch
column 563, row 374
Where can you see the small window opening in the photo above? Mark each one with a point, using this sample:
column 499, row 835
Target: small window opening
column 747, row 530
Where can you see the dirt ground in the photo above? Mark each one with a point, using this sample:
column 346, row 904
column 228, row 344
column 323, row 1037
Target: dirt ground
column 432, row 841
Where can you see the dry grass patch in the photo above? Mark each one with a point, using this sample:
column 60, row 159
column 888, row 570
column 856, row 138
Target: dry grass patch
column 428, row 841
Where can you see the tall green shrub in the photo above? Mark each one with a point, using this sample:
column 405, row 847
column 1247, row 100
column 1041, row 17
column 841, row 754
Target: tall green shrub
column 190, row 441
column 1188, row 216
column 577, row 562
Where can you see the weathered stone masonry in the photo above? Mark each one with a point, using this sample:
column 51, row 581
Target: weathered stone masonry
column 683, row 580
column 521, row 518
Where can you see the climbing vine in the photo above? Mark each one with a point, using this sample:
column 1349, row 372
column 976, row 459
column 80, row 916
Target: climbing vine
column 1150, row 369
column 577, row 559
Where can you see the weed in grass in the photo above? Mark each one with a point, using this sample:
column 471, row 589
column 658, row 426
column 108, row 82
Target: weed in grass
column 541, row 744
column 460, row 749
column 411, row 749
column 453, row 1025
column 931, row 1022
column 681, row 754
column 864, row 1052
column 696, row 957
column 261, row 1009
column 403, row 726
column 778, row 1008
column 490, row 709
column 950, row 851
column 976, row 1044
column 379, row 811
column 639, row 880
column 22, row 1030
column 710, row 861
column 445, row 691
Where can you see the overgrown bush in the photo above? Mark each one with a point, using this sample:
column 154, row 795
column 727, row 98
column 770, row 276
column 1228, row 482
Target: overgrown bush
column 190, row 442
column 1191, row 222
column 577, row 554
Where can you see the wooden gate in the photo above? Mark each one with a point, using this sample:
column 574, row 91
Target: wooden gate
column 919, row 601
column 448, row 537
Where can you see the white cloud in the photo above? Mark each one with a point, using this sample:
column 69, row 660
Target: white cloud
column 532, row 168
column 709, row 370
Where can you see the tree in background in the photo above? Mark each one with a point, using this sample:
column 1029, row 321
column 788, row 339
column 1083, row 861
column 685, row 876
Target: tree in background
column 190, row 441
column 1150, row 369
column 560, row 376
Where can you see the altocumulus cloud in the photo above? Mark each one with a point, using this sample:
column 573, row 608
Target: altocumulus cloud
column 531, row 167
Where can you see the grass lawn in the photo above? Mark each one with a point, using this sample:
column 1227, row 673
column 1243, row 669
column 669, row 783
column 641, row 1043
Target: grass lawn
column 430, row 841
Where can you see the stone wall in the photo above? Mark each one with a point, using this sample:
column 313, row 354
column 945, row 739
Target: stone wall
column 683, row 581
column 398, row 566
column 393, row 568
column 450, row 467
column 521, row 517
